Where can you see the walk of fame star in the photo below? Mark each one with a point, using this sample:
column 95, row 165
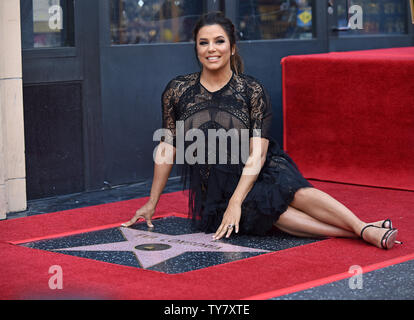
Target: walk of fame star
column 151, row 248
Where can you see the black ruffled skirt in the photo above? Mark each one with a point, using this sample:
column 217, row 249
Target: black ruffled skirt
column 269, row 197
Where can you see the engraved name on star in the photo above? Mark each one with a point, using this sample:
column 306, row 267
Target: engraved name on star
column 142, row 244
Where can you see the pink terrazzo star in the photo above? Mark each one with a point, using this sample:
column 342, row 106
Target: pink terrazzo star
column 194, row 242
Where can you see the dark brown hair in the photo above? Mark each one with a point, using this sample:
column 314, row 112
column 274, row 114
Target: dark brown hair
column 219, row 18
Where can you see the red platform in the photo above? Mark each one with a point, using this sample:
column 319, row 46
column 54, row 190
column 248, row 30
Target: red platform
column 349, row 116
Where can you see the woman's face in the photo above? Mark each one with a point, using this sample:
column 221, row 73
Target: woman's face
column 213, row 48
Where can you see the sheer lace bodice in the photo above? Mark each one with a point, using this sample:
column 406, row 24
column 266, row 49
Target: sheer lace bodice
column 242, row 103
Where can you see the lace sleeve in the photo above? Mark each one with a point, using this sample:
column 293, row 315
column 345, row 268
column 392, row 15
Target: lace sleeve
column 260, row 112
column 168, row 114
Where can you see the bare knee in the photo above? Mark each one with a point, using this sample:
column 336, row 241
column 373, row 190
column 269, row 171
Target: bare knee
column 290, row 223
column 303, row 194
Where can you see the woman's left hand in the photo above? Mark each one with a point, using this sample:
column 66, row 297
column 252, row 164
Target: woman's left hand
column 231, row 218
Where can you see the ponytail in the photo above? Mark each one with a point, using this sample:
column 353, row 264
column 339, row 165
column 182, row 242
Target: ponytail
column 236, row 63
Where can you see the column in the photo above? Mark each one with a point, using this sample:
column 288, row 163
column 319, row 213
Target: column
column 12, row 157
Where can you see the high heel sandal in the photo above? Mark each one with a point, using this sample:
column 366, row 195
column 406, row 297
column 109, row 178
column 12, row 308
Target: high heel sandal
column 388, row 239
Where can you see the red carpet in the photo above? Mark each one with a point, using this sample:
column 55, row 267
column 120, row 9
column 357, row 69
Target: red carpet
column 349, row 116
column 24, row 271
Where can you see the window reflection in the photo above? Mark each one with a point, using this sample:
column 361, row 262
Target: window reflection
column 154, row 21
column 275, row 19
column 47, row 23
column 378, row 16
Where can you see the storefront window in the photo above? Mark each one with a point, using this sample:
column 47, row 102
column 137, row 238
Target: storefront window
column 47, row 23
column 154, row 21
column 378, row 17
column 274, row 19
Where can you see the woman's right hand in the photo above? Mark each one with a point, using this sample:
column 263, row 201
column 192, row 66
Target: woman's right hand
column 146, row 212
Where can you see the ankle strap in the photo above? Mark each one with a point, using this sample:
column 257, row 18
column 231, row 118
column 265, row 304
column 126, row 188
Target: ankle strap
column 367, row 226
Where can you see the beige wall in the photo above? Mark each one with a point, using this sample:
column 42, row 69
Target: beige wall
column 12, row 157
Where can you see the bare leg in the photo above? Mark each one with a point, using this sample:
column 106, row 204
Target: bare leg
column 321, row 206
column 297, row 223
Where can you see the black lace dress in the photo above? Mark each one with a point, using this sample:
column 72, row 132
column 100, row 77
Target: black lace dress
column 244, row 106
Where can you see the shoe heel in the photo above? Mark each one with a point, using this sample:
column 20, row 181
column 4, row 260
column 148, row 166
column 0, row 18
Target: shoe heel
column 388, row 240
